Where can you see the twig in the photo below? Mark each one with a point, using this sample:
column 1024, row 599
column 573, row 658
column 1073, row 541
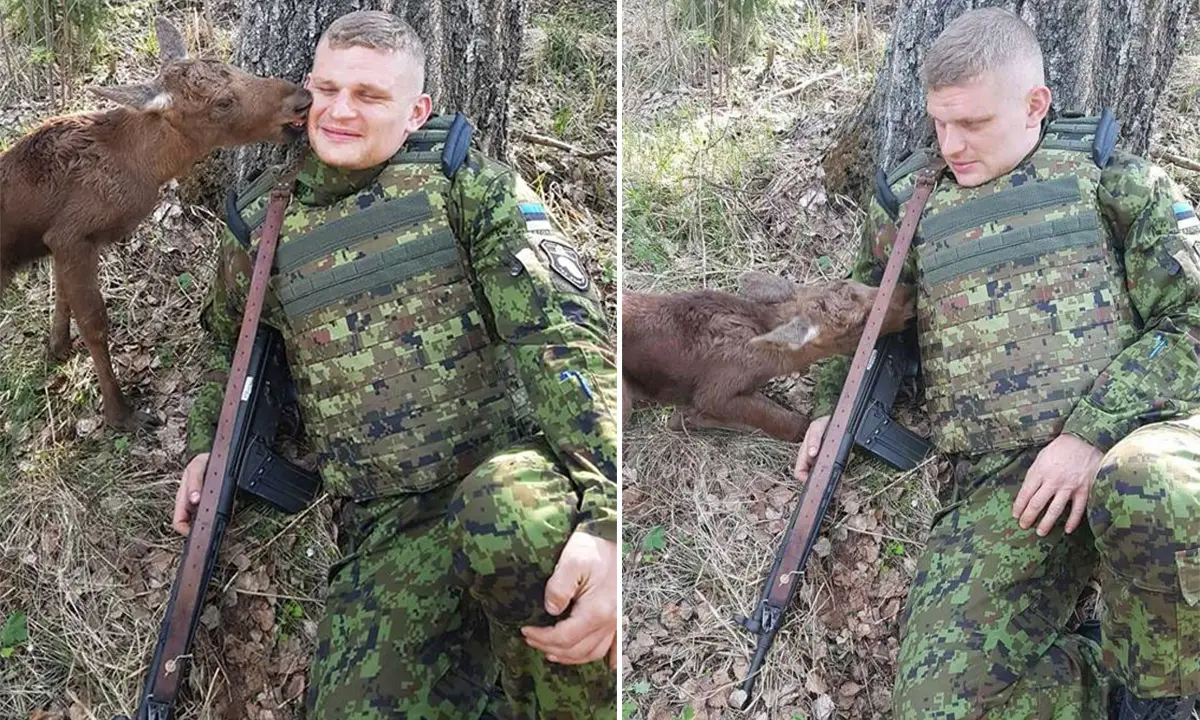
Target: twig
column 567, row 147
column 1176, row 160
column 804, row 85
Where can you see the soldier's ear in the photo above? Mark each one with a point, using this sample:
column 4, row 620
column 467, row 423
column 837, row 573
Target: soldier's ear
column 792, row 335
column 765, row 287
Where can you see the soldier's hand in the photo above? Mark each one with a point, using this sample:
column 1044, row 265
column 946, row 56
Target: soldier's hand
column 1062, row 473
column 586, row 574
column 809, row 448
column 187, row 498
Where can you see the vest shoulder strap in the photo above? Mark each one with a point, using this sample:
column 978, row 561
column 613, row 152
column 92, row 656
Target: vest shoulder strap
column 885, row 181
column 237, row 202
column 452, row 133
column 1096, row 135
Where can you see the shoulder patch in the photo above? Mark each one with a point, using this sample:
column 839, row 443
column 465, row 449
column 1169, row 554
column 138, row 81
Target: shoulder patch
column 536, row 219
column 566, row 263
column 1185, row 218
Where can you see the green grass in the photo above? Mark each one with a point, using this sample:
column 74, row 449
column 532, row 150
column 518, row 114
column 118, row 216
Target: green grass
column 686, row 192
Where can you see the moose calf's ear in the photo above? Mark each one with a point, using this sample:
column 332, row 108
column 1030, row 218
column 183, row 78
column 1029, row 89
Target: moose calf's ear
column 140, row 97
column 765, row 287
column 171, row 45
column 792, row 335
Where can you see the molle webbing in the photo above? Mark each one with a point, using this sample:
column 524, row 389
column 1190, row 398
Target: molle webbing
column 394, row 265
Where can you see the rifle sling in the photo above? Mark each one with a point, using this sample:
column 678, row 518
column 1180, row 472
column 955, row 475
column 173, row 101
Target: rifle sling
column 813, row 498
column 190, row 582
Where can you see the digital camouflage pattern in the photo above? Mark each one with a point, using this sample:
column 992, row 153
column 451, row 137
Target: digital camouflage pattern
column 453, row 347
column 448, row 577
column 984, row 624
column 1018, row 315
column 453, row 373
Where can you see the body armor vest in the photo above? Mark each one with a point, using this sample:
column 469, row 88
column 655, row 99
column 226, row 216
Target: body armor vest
column 1022, row 300
column 402, row 385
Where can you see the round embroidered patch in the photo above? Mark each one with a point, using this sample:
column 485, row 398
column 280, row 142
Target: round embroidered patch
column 565, row 261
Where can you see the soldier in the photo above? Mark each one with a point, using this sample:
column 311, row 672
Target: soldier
column 450, row 358
column 1059, row 324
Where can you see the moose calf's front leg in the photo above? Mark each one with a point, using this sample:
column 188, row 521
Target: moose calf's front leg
column 75, row 271
column 60, row 330
column 750, row 411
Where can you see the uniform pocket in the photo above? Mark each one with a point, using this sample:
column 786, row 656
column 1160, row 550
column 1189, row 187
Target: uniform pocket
column 1187, row 563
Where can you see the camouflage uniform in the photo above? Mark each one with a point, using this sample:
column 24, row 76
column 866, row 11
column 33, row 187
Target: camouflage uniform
column 454, row 378
column 984, row 626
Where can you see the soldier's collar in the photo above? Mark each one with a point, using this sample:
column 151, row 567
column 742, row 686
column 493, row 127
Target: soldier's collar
column 319, row 183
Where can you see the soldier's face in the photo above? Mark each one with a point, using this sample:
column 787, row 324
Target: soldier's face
column 987, row 126
column 365, row 104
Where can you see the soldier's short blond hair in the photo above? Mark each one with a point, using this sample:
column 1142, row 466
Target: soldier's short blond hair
column 377, row 30
column 978, row 41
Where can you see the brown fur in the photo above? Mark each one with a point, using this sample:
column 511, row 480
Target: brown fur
column 710, row 352
column 82, row 181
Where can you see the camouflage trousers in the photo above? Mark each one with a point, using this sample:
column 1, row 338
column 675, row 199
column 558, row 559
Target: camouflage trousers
column 424, row 610
column 984, row 630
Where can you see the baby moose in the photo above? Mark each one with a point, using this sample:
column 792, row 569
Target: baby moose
column 709, row 353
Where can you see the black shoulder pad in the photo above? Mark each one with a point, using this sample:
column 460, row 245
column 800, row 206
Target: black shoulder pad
column 884, row 195
column 233, row 219
column 458, row 141
column 1106, row 138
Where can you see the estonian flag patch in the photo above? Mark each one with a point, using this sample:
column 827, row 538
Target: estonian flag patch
column 1185, row 218
column 536, row 219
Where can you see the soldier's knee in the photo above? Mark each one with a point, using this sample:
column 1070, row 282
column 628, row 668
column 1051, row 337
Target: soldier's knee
column 511, row 509
column 1143, row 501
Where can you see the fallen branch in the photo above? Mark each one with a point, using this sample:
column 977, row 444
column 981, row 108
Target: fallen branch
column 797, row 88
column 1174, row 159
column 567, row 147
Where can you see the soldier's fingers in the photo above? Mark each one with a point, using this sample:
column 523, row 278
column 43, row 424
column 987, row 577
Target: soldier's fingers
column 563, row 634
column 801, row 470
column 1053, row 512
column 180, row 519
column 563, row 585
column 1030, row 486
column 591, row 648
column 1036, row 504
column 1078, row 508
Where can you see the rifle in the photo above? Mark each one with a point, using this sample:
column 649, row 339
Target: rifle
column 862, row 417
column 257, row 393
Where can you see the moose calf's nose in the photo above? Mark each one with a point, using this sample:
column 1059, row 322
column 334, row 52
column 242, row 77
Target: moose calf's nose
column 302, row 100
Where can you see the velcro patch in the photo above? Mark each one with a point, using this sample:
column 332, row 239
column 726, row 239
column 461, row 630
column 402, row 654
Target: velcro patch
column 1185, row 218
column 566, row 263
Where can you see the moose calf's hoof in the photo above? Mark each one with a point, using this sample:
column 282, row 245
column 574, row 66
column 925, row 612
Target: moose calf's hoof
column 60, row 351
column 131, row 421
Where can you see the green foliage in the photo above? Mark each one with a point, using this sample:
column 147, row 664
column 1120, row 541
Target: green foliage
column 55, row 32
column 729, row 27
column 14, row 634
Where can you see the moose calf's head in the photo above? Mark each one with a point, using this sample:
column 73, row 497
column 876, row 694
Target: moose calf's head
column 214, row 104
column 822, row 320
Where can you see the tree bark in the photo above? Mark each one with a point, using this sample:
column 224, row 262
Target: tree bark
column 1098, row 53
column 471, row 46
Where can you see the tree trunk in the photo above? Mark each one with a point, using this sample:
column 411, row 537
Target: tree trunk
column 1098, row 53
column 471, row 47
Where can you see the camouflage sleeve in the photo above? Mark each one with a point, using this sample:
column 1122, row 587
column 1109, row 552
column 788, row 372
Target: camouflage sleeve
column 1158, row 376
column 877, row 238
column 547, row 310
column 221, row 317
